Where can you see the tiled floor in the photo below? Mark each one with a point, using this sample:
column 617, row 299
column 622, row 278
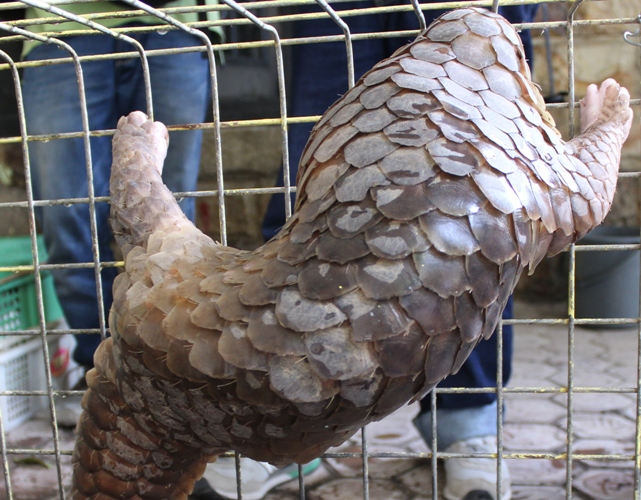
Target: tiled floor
column 603, row 423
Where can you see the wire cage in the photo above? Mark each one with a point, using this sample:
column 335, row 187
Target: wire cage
column 568, row 421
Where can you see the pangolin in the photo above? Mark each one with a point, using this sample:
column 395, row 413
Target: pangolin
column 423, row 193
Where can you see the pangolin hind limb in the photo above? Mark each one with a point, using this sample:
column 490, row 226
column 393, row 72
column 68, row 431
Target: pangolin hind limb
column 422, row 194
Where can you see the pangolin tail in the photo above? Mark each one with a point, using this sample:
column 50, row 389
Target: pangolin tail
column 119, row 455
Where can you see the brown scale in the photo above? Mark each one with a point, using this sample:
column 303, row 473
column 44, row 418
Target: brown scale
column 423, row 194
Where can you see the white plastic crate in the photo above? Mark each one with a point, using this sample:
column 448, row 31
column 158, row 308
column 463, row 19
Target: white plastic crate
column 22, row 368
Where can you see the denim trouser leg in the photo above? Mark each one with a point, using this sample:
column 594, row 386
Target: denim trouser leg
column 458, row 424
column 112, row 88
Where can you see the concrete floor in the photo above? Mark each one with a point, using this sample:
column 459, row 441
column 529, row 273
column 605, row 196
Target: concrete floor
column 603, row 423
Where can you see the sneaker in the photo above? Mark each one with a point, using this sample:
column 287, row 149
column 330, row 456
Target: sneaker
column 257, row 478
column 474, row 478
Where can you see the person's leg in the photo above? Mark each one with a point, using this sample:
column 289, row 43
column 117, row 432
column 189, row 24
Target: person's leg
column 52, row 105
column 181, row 94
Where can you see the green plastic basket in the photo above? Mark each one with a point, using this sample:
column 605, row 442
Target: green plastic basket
column 18, row 302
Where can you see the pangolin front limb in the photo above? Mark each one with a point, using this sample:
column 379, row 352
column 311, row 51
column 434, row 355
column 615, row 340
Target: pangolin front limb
column 423, row 193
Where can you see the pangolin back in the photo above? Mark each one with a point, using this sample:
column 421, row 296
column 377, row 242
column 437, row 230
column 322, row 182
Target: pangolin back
column 423, row 193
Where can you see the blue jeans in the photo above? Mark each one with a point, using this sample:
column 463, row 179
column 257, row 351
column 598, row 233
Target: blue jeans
column 318, row 79
column 181, row 93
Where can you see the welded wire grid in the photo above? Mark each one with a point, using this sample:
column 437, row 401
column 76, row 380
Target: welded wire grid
column 255, row 13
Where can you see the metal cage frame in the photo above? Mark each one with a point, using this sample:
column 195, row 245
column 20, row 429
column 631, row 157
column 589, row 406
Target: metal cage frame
column 246, row 14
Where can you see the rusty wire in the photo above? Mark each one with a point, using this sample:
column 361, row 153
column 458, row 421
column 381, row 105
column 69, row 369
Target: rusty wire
column 248, row 15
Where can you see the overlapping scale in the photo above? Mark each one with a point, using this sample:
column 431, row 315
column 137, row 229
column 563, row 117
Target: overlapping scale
column 346, row 221
column 330, row 145
column 373, row 319
column 408, row 166
column 382, row 279
column 474, row 51
column 523, row 189
column 395, row 240
column 374, row 120
column 544, row 204
column 454, row 129
column 499, row 104
column 434, row 314
column 377, row 76
column 402, row 202
column 526, row 234
column 502, row 82
column 506, row 53
column 320, row 132
column 497, row 158
column 294, row 380
column 454, row 196
column 461, row 92
column 362, row 391
column 465, row 76
column 333, row 354
column 268, row 335
column 230, row 307
column 442, row 273
column 295, row 253
column 484, row 278
column 303, row 315
column 446, row 32
column 277, row 273
column 482, row 25
column 237, row 350
column 346, row 113
column 449, row 235
column 441, row 354
column 376, row 96
column 415, row 82
column 403, row 355
column 497, row 190
column 452, row 157
column 355, row 184
column 332, row 249
column 324, row 178
column 309, row 212
column 432, row 52
column 319, row 280
column 254, row 292
column 368, row 149
column 421, row 68
column 493, row 230
column 412, row 104
column 457, row 107
column 469, row 317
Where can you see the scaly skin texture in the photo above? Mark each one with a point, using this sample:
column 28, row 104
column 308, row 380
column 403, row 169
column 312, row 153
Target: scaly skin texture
column 423, row 193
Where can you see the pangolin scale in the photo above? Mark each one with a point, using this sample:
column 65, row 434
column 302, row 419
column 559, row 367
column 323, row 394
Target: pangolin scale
column 423, row 193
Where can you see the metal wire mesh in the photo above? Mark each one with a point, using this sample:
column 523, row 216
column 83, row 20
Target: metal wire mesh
column 266, row 17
